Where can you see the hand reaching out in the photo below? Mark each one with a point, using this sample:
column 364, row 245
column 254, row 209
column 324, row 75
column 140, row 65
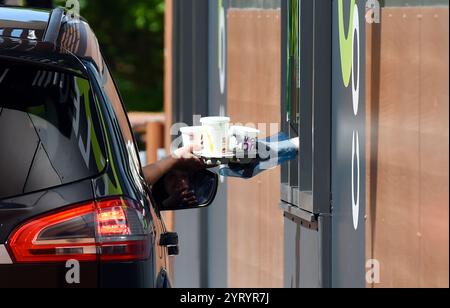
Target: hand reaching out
column 186, row 160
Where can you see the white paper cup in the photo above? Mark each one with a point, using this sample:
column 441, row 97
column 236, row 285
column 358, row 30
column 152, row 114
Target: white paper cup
column 215, row 136
column 193, row 136
column 244, row 139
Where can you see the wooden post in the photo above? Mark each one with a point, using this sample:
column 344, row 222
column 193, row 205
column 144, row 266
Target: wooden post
column 168, row 75
column 169, row 217
column 154, row 140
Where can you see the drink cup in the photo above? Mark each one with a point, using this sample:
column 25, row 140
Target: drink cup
column 244, row 140
column 216, row 130
column 193, row 137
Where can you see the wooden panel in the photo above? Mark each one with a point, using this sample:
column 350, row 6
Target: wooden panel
column 255, row 223
column 434, row 149
column 395, row 203
column 408, row 147
column 372, row 82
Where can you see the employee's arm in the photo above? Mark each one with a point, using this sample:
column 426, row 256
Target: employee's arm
column 182, row 158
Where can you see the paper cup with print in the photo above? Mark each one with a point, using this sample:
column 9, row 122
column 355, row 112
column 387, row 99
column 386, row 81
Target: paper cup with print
column 244, row 140
column 193, row 136
column 215, row 136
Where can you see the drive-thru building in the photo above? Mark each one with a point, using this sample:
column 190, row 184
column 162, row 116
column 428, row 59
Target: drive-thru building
column 364, row 84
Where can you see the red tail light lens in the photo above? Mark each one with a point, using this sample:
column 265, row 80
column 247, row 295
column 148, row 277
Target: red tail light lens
column 109, row 230
column 112, row 222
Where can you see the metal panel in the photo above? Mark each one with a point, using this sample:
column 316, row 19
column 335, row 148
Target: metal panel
column 217, row 213
column 321, row 110
column 190, row 89
column 309, row 175
column 307, row 253
column 305, row 167
column 190, row 95
column 348, row 145
column 284, row 115
column 308, row 229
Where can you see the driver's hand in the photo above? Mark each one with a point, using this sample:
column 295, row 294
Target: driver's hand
column 186, row 160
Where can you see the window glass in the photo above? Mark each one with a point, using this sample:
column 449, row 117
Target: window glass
column 121, row 116
column 50, row 134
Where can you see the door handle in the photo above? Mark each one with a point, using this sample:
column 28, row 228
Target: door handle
column 168, row 239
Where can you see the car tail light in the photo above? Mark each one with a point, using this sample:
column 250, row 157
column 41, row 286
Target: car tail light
column 108, row 230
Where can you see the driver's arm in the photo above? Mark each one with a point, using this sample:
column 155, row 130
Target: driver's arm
column 154, row 172
column 182, row 158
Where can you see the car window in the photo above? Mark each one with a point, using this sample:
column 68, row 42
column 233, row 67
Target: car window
column 50, row 134
column 115, row 101
column 120, row 114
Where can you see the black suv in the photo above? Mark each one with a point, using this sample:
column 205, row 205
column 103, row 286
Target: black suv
column 75, row 210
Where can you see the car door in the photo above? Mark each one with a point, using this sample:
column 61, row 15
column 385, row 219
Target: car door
column 161, row 257
column 162, row 265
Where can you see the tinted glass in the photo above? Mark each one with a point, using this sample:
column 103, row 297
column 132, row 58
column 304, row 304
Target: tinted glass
column 121, row 117
column 50, row 134
column 120, row 113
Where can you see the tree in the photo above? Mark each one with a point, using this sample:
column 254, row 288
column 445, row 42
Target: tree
column 131, row 35
column 30, row 3
column 132, row 38
column 40, row 3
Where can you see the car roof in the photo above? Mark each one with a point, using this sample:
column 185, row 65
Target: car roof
column 21, row 23
column 53, row 34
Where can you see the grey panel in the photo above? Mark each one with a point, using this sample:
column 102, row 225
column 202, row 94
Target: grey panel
column 216, row 214
column 305, row 165
column 259, row 4
column 284, row 114
column 322, row 107
column 188, row 264
column 190, row 60
column 190, row 92
column 348, row 248
column 309, row 175
column 307, row 255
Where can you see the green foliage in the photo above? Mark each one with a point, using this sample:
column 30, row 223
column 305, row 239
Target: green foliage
column 131, row 35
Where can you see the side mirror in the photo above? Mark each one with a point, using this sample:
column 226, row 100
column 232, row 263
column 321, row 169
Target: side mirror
column 183, row 190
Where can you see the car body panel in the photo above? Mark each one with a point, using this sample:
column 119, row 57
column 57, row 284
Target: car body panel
column 48, row 276
column 14, row 211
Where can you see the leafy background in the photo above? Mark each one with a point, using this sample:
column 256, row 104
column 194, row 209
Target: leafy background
column 131, row 35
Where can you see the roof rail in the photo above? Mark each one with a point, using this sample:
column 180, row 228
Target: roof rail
column 54, row 25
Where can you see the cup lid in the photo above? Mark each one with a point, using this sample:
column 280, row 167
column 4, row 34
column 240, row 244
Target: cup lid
column 245, row 129
column 215, row 120
column 190, row 129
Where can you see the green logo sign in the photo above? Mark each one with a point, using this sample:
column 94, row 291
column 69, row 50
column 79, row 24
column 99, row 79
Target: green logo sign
column 352, row 73
column 346, row 42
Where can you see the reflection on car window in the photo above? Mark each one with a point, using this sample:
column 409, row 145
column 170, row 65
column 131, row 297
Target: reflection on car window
column 49, row 130
column 122, row 119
